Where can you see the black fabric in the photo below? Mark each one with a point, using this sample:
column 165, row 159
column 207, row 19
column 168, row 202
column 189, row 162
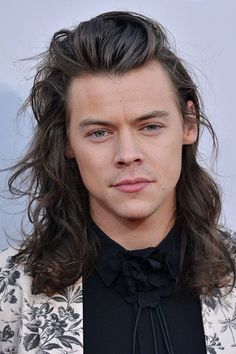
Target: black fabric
column 115, row 323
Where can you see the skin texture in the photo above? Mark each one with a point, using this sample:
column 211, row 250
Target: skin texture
column 122, row 128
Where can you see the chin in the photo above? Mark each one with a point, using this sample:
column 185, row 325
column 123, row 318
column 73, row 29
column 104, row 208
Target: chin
column 136, row 215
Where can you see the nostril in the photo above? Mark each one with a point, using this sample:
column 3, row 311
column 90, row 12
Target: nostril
column 122, row 163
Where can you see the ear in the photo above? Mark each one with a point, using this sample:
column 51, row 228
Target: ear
column 69, row 152
column 190, row 125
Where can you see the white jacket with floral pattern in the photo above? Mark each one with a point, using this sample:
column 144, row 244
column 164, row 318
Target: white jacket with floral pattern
column 38, row 324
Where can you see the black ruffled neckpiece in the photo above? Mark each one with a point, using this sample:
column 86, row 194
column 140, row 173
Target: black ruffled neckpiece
column 142, row 276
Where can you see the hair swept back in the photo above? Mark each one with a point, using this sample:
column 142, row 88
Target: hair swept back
column 59, row 250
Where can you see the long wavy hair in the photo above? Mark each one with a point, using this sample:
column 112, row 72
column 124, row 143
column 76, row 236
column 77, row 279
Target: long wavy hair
column 59, row 248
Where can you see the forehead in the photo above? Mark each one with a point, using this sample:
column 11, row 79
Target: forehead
column 146, row 87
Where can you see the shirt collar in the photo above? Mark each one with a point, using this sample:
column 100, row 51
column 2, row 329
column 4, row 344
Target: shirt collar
column 109, row 249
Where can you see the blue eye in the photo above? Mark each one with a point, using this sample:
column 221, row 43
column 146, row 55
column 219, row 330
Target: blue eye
column 152, row 127
column 99, row 133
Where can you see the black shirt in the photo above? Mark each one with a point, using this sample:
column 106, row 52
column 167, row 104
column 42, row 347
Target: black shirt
column 130, row 302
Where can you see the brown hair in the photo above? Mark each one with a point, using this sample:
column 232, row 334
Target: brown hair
column 59, row 249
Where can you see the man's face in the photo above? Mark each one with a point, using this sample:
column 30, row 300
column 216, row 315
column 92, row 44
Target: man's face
column 126, row 134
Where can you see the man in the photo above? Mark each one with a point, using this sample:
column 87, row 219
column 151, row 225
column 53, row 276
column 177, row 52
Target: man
column 117, row 196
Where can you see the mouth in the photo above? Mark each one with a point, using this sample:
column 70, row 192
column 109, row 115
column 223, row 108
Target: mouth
column 132, row 185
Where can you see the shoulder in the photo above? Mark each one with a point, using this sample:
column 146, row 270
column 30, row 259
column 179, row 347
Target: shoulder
column 6, row 255
column 12, row 284
column 228, row 233
column 229, row 237
column 10, row 272
column 8, row 252
column 219, row 309
column 231, row 234
column 25, row 317
column 13, row 280
column 8, row 267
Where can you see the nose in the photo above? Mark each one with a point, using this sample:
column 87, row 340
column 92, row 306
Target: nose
column 127, row 151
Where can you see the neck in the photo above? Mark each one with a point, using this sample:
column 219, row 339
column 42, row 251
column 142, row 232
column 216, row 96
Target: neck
column 137, row 234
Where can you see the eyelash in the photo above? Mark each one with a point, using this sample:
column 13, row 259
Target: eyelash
column 152, row 125
column 93, row 134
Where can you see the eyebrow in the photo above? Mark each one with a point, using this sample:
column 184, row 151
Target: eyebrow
column 93, row 121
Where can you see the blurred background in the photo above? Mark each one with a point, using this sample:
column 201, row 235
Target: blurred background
column 204, row 33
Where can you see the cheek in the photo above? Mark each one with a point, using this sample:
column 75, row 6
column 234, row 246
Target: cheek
column 170, row 163
column 92, row 169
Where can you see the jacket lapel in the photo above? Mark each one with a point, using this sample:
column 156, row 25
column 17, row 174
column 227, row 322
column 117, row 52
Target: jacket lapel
column 219, row 321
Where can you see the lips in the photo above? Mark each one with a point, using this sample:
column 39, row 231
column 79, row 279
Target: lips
column 132, row 185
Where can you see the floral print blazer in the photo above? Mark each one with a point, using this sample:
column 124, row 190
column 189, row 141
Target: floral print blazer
column 38, row 324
